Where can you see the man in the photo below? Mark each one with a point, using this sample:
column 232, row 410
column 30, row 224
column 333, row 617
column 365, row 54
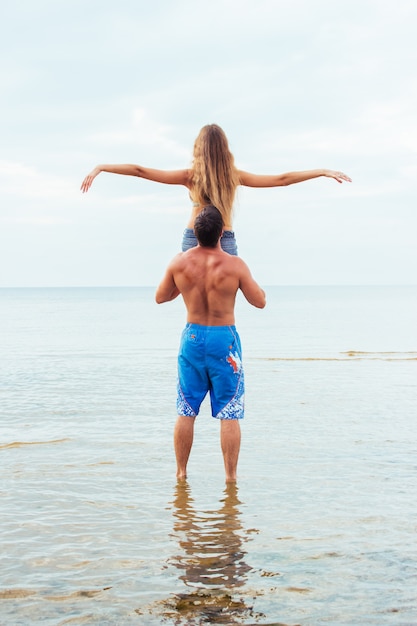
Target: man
column 210, row 356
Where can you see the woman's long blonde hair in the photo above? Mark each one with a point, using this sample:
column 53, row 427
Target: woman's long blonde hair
column 214, row 175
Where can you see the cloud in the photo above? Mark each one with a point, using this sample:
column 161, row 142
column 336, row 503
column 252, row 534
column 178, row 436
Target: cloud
column 167, row 204
column 31, row 197
column 143, row 131
column 23, row 181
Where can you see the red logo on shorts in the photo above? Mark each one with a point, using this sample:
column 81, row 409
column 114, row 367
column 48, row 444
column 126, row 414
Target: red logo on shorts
column 234, row 361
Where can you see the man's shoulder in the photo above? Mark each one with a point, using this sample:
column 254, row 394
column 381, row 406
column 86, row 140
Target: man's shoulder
column 234, row 260
column 182, row 258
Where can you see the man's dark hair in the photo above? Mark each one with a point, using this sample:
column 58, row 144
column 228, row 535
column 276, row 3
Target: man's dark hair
column 208, row 226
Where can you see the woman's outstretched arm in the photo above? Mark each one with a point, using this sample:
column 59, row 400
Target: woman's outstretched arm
column 281, row 180
column 169, row 177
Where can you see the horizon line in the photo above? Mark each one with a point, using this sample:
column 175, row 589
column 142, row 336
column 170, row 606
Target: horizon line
column 281, row 285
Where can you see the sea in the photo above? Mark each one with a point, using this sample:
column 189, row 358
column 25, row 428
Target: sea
column 321, row 526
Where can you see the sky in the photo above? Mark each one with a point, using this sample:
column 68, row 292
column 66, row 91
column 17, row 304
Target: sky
column 295, row 85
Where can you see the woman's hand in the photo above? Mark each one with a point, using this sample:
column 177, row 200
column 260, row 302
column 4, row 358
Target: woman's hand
column 88, row 180
column 339, row 176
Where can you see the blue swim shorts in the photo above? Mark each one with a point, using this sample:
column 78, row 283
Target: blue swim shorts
column 210, row 360
column 227, row 241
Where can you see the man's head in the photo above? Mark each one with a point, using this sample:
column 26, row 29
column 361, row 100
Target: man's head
column 208, row 227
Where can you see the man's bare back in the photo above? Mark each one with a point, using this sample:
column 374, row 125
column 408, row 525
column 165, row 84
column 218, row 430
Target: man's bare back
column 208, row 280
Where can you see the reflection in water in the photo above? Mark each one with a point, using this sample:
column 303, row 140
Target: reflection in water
column 211, row 541
column 211, row 560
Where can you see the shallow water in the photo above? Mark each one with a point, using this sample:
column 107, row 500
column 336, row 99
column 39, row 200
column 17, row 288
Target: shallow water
column 320, row 528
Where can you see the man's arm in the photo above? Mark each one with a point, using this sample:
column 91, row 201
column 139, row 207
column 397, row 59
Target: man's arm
column 253, row 293
column 167, row 290
column 282, row 180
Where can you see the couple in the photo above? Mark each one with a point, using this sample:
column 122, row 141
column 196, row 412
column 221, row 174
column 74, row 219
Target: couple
column 208, row 280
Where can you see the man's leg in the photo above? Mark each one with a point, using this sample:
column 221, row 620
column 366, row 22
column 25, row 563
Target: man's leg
column 183, row 441
column 230, row 443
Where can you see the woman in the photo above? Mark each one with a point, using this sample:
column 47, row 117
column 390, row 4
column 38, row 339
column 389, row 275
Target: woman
column 212, row 179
